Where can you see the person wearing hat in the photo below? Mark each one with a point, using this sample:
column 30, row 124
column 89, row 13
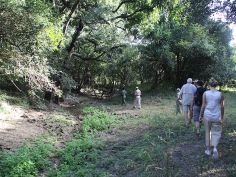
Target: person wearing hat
column 137, row 101
column 212, row 111
column 186, row 94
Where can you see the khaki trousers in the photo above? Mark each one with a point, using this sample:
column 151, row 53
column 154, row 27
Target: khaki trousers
column 213, row 132
column 137, row 102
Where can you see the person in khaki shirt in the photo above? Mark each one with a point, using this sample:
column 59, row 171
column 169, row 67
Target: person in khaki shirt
column 186, row 94
column 137, row 101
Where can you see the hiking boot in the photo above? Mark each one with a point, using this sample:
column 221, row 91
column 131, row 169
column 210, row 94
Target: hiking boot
column 207, row 152
column 215, row 154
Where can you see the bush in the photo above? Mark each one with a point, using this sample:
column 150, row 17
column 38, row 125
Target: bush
column 96, row 120
column 26, row 161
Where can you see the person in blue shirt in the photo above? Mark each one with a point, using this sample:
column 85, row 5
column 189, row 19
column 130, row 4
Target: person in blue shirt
column 186, row 94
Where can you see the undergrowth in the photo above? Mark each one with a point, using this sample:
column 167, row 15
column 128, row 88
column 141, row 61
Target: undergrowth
column 143, row 145
column 26, row 161
column 79, row 157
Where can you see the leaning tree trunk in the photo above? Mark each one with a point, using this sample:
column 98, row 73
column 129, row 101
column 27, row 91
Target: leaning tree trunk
column 75, row 36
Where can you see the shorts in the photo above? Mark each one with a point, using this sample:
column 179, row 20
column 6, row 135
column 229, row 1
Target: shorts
column 196, row 113
column 186, row 108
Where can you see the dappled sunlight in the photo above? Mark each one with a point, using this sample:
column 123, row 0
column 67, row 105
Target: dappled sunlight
column 232, row 134
column 5, row 127
column 215, row 172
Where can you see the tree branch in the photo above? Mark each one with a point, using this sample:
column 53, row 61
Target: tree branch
column 89, row 58
column 75, row 35
column 121, row 3
column 126, row 16
column 70, row 15
column 96, row 58
column 16, row 86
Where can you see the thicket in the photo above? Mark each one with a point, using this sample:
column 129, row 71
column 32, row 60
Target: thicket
column 104, row 45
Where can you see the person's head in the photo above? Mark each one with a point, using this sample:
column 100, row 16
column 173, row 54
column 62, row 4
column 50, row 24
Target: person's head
column 178, row 89
column 189, row 80
column 123, row 88
column 136, row 88
column 200, row 83
column 212, row 82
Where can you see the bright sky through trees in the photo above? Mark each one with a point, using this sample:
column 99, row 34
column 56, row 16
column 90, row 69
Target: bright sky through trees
column 221, row 16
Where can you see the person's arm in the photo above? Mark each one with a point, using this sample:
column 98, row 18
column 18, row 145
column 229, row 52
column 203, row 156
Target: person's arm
column 192, row 102
column 203, row 106
column 222, row 107
column 180, row 94
column 191, row 107
column 193, row 99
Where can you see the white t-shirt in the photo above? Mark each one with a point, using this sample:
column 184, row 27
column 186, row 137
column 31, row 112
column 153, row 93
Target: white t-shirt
column 137, row 92
column 187, row 92
column 213, row 108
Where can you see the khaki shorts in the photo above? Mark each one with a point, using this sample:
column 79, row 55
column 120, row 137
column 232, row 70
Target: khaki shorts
column 186, row 108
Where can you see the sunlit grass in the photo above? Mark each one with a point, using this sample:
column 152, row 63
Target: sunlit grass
column 5, row 108
column 13, row 100
column 140, row 143
column 63, row 119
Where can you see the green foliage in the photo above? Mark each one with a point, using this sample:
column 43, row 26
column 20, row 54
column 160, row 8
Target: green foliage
column 96, row 120
column 26, row 161
column 102, row 45
column 13, row 99
column 63, row 120
column 79, row 157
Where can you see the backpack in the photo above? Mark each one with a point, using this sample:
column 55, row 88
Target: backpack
column 198, row 96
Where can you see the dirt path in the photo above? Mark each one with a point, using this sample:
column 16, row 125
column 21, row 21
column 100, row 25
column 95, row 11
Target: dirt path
column 18, row 125
column 185, row 159
column 133, row 148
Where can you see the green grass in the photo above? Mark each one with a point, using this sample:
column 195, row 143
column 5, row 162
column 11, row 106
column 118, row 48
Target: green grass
column 28, row 160
column 18, row 100
column 146, row 143
column 62, row 119
column 79, row 157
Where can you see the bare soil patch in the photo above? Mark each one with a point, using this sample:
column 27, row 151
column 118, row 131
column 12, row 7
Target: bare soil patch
column 18, row 125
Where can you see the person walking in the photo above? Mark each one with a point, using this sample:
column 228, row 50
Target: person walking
column 196, row 105
column 186, row 94
column 123, row 94
column 178, row 102
column 212, row 111
column 137, row 101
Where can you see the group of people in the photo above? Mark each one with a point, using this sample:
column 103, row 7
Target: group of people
column 200, row 104
column 203, row 104
column 137, row 95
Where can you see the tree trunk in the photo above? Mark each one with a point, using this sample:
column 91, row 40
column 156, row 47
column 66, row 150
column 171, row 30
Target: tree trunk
column 74, row 39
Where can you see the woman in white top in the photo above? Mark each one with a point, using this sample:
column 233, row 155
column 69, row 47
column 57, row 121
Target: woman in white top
column 212, row 111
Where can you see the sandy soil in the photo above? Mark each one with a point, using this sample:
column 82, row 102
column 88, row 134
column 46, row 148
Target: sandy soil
column 18, row 125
